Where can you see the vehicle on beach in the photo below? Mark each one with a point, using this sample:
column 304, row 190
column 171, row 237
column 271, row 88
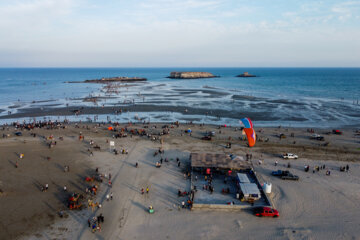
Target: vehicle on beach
column 212, row 133
column 290, row 176
column 279, row 173
column 317, row 137
column 285, row 175
column 206, row 138
column 266, row 212
column 337, row 132
column 290, row 156
column 18, row 134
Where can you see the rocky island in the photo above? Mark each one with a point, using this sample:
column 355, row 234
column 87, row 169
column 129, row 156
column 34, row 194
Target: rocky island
column 246, row 74
column 191, row 75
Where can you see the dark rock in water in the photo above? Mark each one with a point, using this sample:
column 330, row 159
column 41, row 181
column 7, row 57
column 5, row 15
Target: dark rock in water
column 191, row 75
column 246, row 74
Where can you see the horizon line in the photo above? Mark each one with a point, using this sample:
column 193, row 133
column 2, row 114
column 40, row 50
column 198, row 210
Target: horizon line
column 192, row 67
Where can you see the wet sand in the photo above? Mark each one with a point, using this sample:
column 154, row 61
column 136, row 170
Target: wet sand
column 68, row 111
column 31, row 214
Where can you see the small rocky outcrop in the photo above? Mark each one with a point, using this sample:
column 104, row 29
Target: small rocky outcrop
column 246, row 74
column 190, row 75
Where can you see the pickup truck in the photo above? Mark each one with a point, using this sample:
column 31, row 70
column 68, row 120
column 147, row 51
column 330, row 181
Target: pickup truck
column 290, row 156
column 285, row 175
column 279, row 173
column 290, row 176
column 317, row 137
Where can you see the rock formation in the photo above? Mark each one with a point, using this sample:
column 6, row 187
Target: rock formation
column 191, row 75
column 246, row 74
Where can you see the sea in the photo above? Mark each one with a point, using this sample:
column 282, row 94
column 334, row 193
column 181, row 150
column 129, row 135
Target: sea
column 294, row 97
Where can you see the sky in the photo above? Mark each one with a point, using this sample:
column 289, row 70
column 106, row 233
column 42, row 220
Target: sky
column 179, row 33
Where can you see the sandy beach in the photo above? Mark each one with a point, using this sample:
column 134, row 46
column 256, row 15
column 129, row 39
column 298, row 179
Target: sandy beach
column 315, row 207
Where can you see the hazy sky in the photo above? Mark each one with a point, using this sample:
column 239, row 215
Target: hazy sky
column 170, row 33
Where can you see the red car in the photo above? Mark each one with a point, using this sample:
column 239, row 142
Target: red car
column 266, row 212
column 336, row 131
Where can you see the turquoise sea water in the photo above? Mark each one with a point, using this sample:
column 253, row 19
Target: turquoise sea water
column 298, row 96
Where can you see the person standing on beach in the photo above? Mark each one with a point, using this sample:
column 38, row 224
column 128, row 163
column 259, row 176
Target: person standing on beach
column 46, row 187
column 147, row 190
column 142, row 190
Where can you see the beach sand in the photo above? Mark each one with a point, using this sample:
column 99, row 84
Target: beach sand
column 316, row 207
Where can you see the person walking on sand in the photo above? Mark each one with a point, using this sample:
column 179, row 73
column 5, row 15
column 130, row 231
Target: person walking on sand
column 147, row 190
column 16, row 165
column 65, row 189
column 107, row 197
column 111, row 196
column 46, row 187
column 142, row 190
column 110, row 184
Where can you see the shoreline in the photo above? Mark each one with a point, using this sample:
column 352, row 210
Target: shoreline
column 167, row 113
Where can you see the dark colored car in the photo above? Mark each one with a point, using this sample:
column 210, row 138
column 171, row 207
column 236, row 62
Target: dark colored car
column 290, row 176
column 206, row 138
column 266, row 212
column 285, row 175
column 279, row 173
column 18, row 134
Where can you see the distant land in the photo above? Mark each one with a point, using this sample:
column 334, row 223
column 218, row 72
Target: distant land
column 191, row 75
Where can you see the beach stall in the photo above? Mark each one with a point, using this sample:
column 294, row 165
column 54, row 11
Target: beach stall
column 243, row 178
column 250, row 192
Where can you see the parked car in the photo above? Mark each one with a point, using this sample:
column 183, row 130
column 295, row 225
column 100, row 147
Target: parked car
column 206, row 138
column 212, row 133
column 317, row 137
column 266, row 212
column 279, row 173
column 285, row 175
column 337, row 131
column 18, row 134
column 290, row 176
column 290, row 156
